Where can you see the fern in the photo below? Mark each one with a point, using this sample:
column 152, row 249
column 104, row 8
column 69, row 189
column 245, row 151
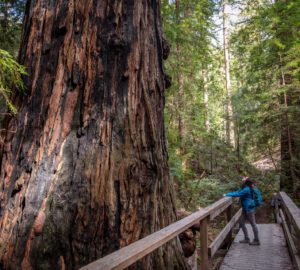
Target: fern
column 11, row 74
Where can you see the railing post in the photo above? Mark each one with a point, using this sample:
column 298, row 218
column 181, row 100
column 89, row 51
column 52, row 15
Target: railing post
column 130, row 254
column 276, row 208
column 276, row 211
column 298, row 242
column 297, row 239
column 204, row 244
column 229, row 217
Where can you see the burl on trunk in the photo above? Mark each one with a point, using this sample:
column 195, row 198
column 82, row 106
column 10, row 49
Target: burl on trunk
column 86, row 171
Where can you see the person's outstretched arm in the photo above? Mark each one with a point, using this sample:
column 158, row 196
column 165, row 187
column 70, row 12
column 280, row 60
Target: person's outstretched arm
column 238, row 193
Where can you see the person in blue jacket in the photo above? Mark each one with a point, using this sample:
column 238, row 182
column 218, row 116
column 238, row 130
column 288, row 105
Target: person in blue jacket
column 250, row 199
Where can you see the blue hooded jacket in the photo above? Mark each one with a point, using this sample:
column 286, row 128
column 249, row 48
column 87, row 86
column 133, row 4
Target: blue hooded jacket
column 248, row 204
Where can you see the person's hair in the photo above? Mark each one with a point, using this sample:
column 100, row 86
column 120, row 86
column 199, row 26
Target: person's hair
column 249, row 182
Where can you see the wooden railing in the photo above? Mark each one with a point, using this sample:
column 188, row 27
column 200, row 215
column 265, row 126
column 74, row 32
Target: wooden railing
column 288, row 214
column 130, row 254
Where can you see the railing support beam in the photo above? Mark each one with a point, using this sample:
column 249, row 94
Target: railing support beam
column 204, row 244
column 229, row 217
column 128, row 255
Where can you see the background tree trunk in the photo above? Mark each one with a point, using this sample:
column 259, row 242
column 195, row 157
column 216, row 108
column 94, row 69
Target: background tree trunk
column 290, row 133
column 181, row 92
column 86, row 171
column 287, row 171
column 290, row 145
column 229, row 124
column 206, row 100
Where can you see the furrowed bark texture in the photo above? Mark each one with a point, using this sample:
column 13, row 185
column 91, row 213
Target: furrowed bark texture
column 86, row 171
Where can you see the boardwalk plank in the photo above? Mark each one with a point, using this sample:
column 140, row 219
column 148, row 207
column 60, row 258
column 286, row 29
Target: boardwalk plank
column 272, row 254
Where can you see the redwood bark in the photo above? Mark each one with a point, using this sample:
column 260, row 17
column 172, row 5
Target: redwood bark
column 86, row 171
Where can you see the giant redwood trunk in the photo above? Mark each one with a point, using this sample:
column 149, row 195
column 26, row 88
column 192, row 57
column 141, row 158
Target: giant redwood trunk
column 85, row 172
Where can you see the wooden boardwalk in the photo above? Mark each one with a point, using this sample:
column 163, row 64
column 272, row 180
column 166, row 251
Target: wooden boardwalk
column 272, row 254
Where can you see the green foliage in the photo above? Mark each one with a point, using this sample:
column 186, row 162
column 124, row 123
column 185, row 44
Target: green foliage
column 196, row 64
column 11, row 16
column 211, row 160
column 202, row 192
column 268, row 183
column 265, row 46
column 10, row 76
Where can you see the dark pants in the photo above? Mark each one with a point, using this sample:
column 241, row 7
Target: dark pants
column 250, row 216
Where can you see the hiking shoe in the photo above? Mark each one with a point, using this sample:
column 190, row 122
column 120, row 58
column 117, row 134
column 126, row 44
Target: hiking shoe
column 254, row 243
column 245, row 241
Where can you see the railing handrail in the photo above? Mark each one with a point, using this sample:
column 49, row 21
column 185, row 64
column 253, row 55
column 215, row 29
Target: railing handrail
column 290, row 219
column 291, row 210
column 128, row 255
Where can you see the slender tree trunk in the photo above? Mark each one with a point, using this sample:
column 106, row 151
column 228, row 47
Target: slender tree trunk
column 271, row 157
column 290, row 146
column 229, row 130
column 180, row 103
column 296, row 144
column 180, row 82
column 287, row 178
column 287, row 172
column 238, row 146
column 180, row 96
column 206, row 101
column 86, row 171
